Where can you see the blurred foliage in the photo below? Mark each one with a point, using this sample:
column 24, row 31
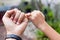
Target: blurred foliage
column 25, row 7
column 40, row 35
column 48, row 14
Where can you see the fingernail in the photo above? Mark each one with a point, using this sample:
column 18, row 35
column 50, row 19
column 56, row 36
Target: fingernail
column 17, row 23
column 12, row 18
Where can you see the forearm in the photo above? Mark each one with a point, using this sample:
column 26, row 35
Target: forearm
column 49, row 31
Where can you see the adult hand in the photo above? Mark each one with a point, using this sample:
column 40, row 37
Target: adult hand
column 15, row 22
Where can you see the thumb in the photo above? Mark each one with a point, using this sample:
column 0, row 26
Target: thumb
column 23, row 26
column 24, row 23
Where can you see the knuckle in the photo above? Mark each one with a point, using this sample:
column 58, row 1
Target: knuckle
column 15, row 9
column 7, row 11
column 22, row 14
column 38, row 12
column 34, row 11
column 19, row 11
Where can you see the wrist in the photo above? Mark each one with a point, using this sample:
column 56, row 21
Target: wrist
column 13, row 37
column 14, row 33
column 42, row 25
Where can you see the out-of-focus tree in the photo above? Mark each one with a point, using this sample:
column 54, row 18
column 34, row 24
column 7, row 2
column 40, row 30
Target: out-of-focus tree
column 25, row 6
column 57, row 11
column 37, row 4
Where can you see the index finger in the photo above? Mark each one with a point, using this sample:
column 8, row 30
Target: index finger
column 10, row 12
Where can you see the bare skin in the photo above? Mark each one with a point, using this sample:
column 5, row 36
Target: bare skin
column 17, row 25
column 15, row 22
